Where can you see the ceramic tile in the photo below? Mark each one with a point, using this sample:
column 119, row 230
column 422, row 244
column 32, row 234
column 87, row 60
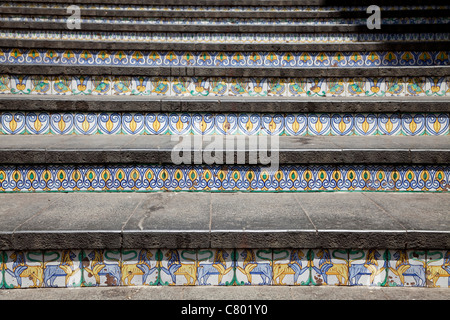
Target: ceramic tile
column 249, row 123
column 215, row 267
column 101, row 268
column 61, row 123
column 367, row 268
column 341, row 124
column 61, row 85
column 296, row 124
column 290, row 267
column 406, row 268
column 101, row 85
column 438, row 269
column 110, row 123
column 82, row 85
column 13, row 122
column 436, row 86
column 365, row 124
column 254, row 267
column 63, row 268
column 329, row 267
column 437, row 124
column 139, row 267
column 140, row 85
column 316, row 87
column 121, row 85
column 415, row 86
column 319, row 124
column 356, row 87
column 85, row 123
column 413, row 124
column 272, row 124
column 394, row 87
column 5, row 84
column 297, row 87
column 23, row 269
column 390, row 124
column 336, row 87
column 179, row 267
column 156, row 123
column 133, row 123
column 37, row 123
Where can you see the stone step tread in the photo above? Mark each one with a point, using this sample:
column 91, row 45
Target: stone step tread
column 200, row 71
column 130, row 149
column 225, row 104
column 224, row 220
column 203, row 46
column 235, row 28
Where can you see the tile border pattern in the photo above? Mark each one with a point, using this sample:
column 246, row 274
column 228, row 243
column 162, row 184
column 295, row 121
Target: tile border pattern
column 279, row 124
column 221, row 59
column 375, row 87
column 249, row 178
column 224, row 267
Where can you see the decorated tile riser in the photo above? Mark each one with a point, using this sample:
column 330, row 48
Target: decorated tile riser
column 30, row 4
column 225, row 267
column 219, row 59
column 227, row 21
column 147, row 178
column 207, row 37
column 291, row 124
column 225, row 86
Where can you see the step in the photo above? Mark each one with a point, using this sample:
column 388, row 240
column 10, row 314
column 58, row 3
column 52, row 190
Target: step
column 129, row 149
column 224, row 104
column 224, row 220
column 82, row 44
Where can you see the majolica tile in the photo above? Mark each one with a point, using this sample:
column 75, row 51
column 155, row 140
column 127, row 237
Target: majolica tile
column 336, row 87
column 319, row 124
column 406, row 268
column 254, row 267
column 296, row 124
column 215, row 267
column 24, row 269
column 62, row 85
column 389, row 124
column 272, row 124
column 199, row 86
column 110, row 123
column 249, row 123
column 394, row 86
column 156, row 123
column 413, row 124
column 178, row 267
column 61, row 123
column 181, row 86
column 37, row 123
column 121, row 85
column 160, row 86
column 101, row 85
column 365, row 124
column 356, row 87
column 21, row 84
column 5, row 84
column 329, row 267
column 82, row 85
column 316, row 87
column 238, row 86
column 85, row 123
column 219, row 86
column 297, row 87
column 203, row 123
column 367, row 267
column 436, row 124
column 438, row 269
column 290, row 267
column 435, row 86
column 415, row 86
column 133, row 123
column 63, row 269
column 13, row 122
column 341, row 124
column 101, row 268
column 375, row 87
column 140, row 85
column 226, row 124
column 139, row 267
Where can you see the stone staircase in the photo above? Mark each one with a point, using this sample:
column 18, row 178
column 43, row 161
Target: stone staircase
column 224, row 143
